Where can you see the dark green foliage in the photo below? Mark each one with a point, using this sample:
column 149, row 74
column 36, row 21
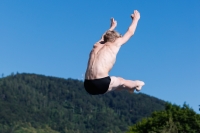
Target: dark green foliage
column 37, row 103
column 25, row 128
column 174, row 119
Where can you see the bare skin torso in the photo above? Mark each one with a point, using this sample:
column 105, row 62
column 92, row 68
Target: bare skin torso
column 102, row 58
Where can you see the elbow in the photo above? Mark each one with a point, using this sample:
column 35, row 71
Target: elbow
column 131, row 32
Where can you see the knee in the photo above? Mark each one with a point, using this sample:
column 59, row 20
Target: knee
column 121, row 80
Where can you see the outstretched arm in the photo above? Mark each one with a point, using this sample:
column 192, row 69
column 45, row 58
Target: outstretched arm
column 113, row 25
column 131, row 30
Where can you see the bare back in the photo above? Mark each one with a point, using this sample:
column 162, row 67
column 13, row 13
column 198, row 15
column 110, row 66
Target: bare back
column 102, row 58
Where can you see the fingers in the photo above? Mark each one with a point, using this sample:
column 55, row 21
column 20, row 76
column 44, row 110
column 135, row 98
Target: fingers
column 136, row 11
column 113, row 21
column 135, row 15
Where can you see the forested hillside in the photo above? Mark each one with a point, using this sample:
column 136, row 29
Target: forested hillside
column 37, row 103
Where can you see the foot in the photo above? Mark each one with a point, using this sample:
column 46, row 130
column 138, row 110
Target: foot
column 138, row 87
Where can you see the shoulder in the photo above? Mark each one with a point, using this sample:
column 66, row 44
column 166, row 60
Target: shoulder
column 118, row 42
column 97, row 44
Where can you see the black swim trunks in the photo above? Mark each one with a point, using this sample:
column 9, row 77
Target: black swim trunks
column 97, row 86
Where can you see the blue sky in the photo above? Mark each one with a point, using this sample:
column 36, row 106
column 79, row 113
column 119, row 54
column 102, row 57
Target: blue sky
column 54, row 38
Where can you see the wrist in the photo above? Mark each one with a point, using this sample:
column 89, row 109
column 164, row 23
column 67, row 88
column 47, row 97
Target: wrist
column 136, row 19
column 112, row 28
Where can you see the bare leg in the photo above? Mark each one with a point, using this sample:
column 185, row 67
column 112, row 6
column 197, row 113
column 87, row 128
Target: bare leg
column 130, row 85
column 118, row 83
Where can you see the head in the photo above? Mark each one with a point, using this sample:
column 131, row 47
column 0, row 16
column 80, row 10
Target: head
column 111, row 36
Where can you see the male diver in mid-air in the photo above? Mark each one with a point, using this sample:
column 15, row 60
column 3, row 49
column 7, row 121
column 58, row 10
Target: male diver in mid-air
column 102, row 58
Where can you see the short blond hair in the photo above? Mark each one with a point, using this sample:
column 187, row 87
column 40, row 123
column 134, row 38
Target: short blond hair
column 111, row 36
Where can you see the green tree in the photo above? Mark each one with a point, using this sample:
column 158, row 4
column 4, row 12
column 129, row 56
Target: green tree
column 174, row 119
column 64, row 106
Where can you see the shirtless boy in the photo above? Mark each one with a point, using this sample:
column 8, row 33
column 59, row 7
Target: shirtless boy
column 103, row 57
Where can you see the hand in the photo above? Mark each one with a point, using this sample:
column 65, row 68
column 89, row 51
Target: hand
column 113, row 24
column 135, row 15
